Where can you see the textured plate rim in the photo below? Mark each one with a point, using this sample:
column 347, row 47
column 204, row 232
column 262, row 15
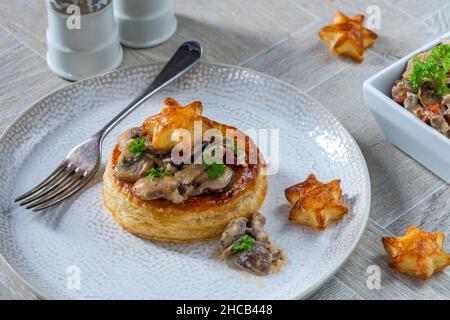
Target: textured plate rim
column 314, row 286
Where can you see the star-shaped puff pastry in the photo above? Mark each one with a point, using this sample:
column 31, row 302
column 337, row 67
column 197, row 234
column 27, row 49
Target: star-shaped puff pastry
column 174, row 117
column 315, row 204
column 417, row 253
column 348, row 37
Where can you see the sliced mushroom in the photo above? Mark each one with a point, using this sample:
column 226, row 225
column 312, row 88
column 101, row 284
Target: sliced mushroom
column 257, row 260
column 409, row 87
column 218, row 185
column 412, row 104
column 399, row 92
column 158, row 188
column 439, row 123
column 257, row 223
column 186, row 189
column 428, row 95
column 190, row 173
column 446, row 101
column 130, row 168
column 447, row 115
column 235, row 230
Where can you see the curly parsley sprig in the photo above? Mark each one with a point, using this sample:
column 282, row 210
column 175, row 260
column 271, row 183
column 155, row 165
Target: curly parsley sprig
column 215, row 170
column 245, row 243
column 158, row 173
column 137, row 146
column 435, row 68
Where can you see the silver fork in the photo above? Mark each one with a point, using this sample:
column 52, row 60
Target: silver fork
column 82, row 162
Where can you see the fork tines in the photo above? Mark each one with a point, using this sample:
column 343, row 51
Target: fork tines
column 59, row 185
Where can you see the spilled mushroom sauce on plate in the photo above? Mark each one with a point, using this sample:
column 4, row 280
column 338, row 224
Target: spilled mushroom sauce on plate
column 248, row 246
column 424, row 89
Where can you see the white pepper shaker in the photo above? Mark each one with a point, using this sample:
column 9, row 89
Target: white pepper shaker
column 145, row 23
column 82, row 38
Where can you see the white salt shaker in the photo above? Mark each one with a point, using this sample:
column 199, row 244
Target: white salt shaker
column 145, row 23
column 82, row 38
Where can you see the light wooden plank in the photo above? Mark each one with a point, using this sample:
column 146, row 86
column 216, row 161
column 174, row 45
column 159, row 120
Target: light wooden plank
column 302, row 60
column 431, row 214
column 440, row 20
column 419, row 8
column 133, row 57
column 334, row 289
column 232, row 31
column 24, row 77
column 393, row 174
column 399, row 34
column 394, row 285
column 26, row 20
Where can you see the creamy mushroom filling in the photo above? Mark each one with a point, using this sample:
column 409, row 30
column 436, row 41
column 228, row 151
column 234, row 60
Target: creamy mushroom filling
column 248, row 246
column 155, row 176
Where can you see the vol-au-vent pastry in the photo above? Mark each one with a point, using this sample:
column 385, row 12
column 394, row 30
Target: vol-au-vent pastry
column 316, row 204
column 418, row 253
column 193, row 197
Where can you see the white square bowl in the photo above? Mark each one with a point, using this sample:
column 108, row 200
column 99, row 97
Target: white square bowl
column 402, row 128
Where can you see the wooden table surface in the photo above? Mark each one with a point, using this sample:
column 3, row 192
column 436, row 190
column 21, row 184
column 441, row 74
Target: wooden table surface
column 280, row 38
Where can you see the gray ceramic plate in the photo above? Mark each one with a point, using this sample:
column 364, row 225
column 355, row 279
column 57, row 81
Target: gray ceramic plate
column 77, row 251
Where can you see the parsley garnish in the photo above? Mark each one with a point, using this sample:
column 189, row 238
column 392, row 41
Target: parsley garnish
column 158, row 173
column 244, row 244
column 435, row 69
column 137, row 146
column 215, row 170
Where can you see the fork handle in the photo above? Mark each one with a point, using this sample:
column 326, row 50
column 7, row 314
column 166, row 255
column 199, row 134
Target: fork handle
column 186, row 56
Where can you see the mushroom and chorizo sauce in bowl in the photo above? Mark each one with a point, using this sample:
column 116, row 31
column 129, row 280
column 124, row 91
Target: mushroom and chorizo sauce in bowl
column 424, row 89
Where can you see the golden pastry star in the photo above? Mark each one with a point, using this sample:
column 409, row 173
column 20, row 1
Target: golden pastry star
column 417, row 253
column 315, row 204
column 174, row 117
column 348, row 37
